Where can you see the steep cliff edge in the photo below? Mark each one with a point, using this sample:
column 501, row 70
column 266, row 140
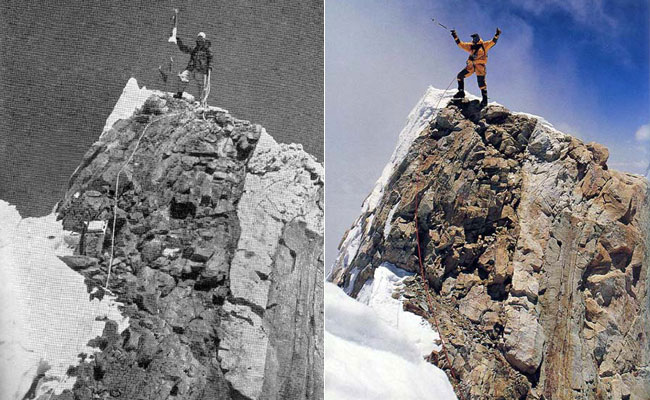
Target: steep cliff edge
column 216, row 257
column 536, row 252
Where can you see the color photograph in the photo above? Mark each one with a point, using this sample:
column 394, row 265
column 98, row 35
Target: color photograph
column 487, row 200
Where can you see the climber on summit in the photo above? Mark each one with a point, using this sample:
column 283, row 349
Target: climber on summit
column 198, row 69
column 477, row 50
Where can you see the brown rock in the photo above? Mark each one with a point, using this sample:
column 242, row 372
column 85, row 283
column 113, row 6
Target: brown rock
column 600, row 153
column 475, row 304
column 524, row 339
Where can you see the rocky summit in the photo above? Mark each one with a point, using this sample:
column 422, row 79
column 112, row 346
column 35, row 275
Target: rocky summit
column 535, row 251
column 215, row 235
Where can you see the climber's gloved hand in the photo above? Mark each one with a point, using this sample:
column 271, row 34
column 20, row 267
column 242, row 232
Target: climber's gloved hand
column 453, row 33
column 498, row 32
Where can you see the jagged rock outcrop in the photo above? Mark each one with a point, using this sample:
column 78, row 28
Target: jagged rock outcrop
column 220, row 276
column 536, row 252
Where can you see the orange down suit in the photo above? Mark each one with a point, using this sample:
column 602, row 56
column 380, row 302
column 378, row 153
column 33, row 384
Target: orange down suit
column 477, row 59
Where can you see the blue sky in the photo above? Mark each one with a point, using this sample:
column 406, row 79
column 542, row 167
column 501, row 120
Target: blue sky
column 582, row 65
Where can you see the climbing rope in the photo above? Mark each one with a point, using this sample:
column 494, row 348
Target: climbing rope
column 425, row 282
column 117, row 184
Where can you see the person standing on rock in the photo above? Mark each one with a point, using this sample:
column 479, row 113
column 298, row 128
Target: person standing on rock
column 198, row 69
column 477, row 50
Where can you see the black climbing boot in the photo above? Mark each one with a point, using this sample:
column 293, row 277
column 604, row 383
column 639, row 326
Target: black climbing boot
column 178, row 95
column 460, row 94
column 484, row 100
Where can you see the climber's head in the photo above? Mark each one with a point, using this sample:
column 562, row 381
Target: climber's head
column 200, row 38
column 475, row 38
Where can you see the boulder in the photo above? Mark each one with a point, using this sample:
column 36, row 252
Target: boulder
column 495, row 113
column 524, row 339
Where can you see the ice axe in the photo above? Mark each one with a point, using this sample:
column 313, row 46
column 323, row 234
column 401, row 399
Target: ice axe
column 172, row 38
column 434, row 20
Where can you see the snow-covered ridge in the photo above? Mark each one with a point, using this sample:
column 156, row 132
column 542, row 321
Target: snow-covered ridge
column 417, row 120
column 133, row 97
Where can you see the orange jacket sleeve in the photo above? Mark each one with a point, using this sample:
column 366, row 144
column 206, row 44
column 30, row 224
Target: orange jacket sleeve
column 490, row 43
column 467, row 46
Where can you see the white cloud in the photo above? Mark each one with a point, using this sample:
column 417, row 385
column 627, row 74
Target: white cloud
column 586, row 12
column 643, row 133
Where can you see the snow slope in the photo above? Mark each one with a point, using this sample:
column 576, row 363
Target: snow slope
column 374, row 349
column 46, row 314
column 133, row 97
column 377, row 294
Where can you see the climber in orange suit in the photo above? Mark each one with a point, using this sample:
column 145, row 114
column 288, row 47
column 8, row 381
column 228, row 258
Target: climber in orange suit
column 477, row 50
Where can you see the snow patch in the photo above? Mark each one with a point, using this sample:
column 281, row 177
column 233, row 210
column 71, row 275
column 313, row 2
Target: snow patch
column 46, row 314
column 351, row 245
column 353, row 278
column 388, row 224
column 377, row 293
column 132, row 98
column 369, row 223
column 367, row 358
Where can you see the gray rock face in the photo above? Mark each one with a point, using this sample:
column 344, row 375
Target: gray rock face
column 536, row 251
column 199, row 259
column 284, row 186
column 294, row 317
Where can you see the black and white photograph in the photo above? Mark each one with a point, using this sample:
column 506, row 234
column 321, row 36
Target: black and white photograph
column 161, row 200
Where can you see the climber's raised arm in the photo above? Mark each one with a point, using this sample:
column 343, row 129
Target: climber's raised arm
column 491, row 43
column 463, row 45
column 182, row 47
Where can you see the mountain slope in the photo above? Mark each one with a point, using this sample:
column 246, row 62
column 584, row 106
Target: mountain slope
column 212, row 235
column 535, row 251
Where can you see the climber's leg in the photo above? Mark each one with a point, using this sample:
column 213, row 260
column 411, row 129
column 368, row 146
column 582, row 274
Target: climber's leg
column 483, row 86
column 461, row 83
column 198, row 80
column 183, row 80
